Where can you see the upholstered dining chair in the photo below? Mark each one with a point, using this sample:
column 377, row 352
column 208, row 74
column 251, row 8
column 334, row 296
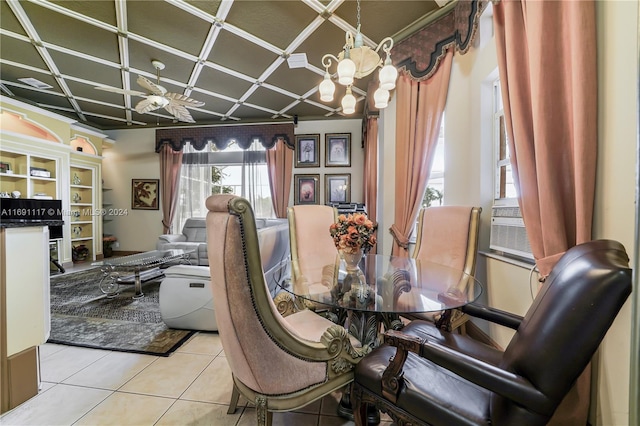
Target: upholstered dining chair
column 312, row 247
column 280, row 364
column 437, row 377
column 448, row 235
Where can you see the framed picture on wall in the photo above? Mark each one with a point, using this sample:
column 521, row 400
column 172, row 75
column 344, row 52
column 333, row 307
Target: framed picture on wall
column 145, row 194
column 307, row 189
column 307, row 150
column 337, row 188
column 337, row 150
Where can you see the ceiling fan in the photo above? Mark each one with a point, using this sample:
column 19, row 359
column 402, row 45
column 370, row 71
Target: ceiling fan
column 158, row 97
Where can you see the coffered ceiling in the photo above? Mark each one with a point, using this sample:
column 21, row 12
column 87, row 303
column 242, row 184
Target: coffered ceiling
column 231, row 55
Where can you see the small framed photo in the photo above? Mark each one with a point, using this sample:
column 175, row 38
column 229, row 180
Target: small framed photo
column 337, row 150
column 5, row 167
column 144, row 194
column 307, row 150
column 337, row 188
column 307, row 189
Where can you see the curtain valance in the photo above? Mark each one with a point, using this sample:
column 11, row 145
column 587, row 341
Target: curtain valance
column 224, row 157
column 418, row 56
column 221, row 136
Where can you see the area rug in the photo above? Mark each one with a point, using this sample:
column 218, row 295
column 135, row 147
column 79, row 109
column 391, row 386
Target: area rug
column 81, row 315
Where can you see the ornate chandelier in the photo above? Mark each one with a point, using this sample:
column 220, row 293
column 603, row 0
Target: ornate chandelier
column 357, row 61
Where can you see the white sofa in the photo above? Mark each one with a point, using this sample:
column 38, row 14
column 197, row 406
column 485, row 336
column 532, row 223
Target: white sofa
column 193, row 237
column 186, row 299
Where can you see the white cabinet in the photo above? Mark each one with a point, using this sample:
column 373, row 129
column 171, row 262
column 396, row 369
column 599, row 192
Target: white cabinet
column 24, row 310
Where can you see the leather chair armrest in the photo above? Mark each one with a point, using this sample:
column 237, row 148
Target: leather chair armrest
column 497, row 316
column 172, row 238
column 489, row 376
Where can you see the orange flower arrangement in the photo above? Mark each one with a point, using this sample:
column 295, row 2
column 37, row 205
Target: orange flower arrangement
column 353, row 232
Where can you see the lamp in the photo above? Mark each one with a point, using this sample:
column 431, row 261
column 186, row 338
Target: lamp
column 357, row 61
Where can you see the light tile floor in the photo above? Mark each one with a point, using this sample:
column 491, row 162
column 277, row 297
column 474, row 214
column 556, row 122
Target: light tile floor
column 83, row 386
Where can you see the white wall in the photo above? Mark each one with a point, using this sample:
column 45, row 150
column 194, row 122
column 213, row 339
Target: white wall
column 617, row 23
column 133, row 156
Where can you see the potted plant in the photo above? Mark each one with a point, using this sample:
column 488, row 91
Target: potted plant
column 107, row 245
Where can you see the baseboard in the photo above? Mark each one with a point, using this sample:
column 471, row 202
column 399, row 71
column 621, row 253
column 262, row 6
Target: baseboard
column 124, row 253
column 476, row 333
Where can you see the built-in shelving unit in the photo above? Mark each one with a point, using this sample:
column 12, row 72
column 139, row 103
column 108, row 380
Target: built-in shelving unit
column 106, row 217
column 83, row 212
column 31, row 175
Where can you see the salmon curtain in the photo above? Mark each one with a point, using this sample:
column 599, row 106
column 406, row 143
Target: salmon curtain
column 280, row 165
column 547, row 62
column 419, row 107
column 170, row 164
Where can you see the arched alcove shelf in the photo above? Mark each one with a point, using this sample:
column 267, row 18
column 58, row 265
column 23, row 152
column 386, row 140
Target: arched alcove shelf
column 81, row 144
column 18, row 123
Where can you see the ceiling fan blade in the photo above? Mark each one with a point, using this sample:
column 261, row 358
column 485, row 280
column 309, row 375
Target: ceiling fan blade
column 121, row 91
column 178, row 99
column 146, row 105
column 179, row 112
column 154, row 88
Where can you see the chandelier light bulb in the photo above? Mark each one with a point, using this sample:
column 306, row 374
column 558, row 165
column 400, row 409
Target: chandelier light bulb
column 327, row 88
column 346, row 69
column 349, row 102
column 388, row 75
column 358, row 41
column 381, row 98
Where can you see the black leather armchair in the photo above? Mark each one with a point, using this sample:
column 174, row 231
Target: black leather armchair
column 424, row 375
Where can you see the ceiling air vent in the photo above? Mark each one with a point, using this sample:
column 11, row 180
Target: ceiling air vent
column 297, row 60
column 33, row 82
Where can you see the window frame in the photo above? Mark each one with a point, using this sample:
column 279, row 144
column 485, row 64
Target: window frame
column 502, row 159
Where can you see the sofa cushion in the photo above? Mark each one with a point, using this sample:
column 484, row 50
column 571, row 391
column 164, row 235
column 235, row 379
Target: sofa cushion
column 195, row 229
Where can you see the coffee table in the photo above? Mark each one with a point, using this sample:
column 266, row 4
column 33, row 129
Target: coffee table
column 143, row 266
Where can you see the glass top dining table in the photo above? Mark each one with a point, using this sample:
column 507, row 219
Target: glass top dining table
column 381, row 284
column 376, row 293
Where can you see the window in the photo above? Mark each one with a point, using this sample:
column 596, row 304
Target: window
column 508, row 233
column 435, row 186
column 505, row 188
column 229, row 171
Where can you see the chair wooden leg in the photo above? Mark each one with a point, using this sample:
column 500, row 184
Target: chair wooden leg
column 360, row 409
column 235, row 397
column 264, row 417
